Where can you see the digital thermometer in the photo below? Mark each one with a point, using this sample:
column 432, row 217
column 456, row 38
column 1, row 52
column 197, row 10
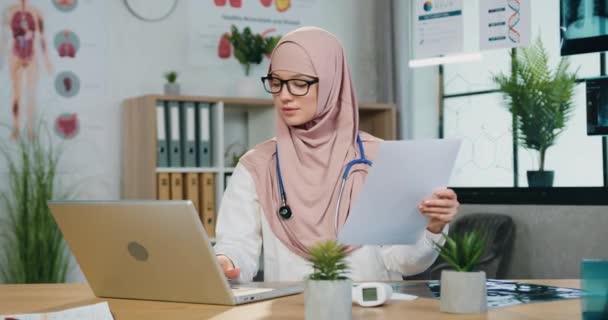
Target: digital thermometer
column 371, row 294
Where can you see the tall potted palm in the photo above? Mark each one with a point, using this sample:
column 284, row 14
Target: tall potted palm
column 540, row 100
column 32, row 249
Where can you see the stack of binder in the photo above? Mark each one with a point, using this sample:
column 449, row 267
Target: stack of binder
column 183, row 134
column 184, row 141
column 197, row 187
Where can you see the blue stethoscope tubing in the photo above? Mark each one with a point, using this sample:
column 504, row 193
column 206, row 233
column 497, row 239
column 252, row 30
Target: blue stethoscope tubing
column 285, row 211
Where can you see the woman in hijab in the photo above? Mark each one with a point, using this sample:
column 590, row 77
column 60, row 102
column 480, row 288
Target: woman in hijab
column 284, row 194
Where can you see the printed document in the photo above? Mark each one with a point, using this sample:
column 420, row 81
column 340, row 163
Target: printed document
column 404, row 173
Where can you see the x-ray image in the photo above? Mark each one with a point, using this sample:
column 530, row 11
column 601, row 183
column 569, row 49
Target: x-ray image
column 597, row 106
column 585, row 18
column 602, row 114
column 582, row 22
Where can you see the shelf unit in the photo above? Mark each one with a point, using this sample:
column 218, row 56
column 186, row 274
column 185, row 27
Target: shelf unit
column 241, row 121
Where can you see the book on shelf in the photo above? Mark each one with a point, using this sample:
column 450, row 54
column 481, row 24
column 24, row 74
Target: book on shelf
column 192, row 189
column 163, row 186
column 188, row 133
column 204, row 134
column 208, row 202
column 175, row 154
column 162, row 149
column 177, row 186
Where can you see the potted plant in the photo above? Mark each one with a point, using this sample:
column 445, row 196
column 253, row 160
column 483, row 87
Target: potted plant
column 540, row 101
column 463, row 290
column 32, row 249
column 249, row 50
column 171, row 87
column 328, row 291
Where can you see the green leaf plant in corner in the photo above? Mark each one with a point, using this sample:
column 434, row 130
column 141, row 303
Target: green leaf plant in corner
column 462, row 251
column 32, row 249
column 328, row 261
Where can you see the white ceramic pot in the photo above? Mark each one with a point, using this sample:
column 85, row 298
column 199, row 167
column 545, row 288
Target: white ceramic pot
column 172, row 88
column 328, row 300
column 463, row 292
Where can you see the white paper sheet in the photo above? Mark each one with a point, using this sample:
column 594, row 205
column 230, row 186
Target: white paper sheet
column 403, row 173
column 403, row 296
column 99, row 311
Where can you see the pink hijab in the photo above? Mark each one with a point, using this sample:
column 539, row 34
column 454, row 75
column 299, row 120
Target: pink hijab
column 312, row 157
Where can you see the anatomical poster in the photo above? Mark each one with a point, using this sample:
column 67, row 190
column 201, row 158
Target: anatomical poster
column 211, row 20
column 51, row 65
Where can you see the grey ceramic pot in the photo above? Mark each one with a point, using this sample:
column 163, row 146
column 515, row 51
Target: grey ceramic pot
column 463, row 292
column 328, row 300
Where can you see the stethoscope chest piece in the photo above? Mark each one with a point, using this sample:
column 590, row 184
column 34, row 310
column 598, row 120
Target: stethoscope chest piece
column 285, row 212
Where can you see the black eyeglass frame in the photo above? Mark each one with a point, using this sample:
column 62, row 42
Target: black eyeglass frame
column 284, row 83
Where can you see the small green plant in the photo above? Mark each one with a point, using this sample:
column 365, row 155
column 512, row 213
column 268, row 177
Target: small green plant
column 327, row 260
column 250, row 48
column 540, row 98
column 32, row 249
column 462, row 252
column 171, row 76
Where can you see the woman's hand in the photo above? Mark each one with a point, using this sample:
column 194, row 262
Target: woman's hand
column 228, row 267
column 441, row 207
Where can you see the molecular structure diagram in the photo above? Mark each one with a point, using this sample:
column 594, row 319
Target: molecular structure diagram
column 486, row 142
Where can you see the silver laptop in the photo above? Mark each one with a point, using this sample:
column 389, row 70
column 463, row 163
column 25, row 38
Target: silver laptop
column 152, row 250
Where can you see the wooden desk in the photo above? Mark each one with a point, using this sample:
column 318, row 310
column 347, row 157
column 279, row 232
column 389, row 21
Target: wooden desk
column 48, row 297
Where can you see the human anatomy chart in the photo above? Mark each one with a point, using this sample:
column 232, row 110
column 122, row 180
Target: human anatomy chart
column 51, row 61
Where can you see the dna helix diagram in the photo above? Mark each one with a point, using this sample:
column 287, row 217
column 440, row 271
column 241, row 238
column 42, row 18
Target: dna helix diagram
column 513, row 21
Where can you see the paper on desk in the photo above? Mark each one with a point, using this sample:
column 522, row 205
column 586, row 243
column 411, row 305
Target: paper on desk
column 403, row 173
column 403, row 296
column 98, row 311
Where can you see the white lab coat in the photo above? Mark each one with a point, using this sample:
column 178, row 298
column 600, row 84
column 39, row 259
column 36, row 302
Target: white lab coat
column 242, row 229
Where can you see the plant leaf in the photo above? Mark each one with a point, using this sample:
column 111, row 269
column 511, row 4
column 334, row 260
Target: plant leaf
column 327, row 258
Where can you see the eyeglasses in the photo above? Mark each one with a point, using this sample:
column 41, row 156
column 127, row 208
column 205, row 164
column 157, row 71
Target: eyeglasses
column 297, row 87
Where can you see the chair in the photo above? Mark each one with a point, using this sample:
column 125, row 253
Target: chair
column 499, row 230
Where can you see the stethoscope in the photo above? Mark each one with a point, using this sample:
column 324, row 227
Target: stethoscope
column 286, row 213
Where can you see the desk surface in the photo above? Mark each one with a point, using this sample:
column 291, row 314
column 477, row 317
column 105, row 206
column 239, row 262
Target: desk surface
column 48, row 297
